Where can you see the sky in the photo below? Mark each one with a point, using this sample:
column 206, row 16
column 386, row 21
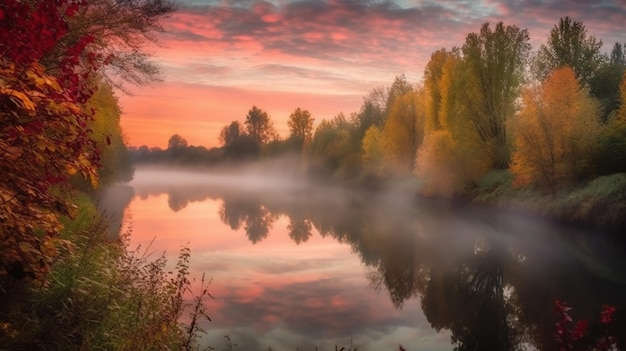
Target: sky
column 221, row 57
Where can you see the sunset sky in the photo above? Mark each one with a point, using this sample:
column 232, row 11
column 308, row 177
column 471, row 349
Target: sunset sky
column 221, row 57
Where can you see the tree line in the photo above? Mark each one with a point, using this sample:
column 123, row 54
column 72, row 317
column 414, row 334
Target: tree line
column 551, row 118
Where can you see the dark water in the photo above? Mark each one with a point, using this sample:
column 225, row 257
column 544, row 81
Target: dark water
column 300, row 267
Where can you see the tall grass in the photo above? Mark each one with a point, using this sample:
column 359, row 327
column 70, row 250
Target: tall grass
column 599, row 202
column 101, row 295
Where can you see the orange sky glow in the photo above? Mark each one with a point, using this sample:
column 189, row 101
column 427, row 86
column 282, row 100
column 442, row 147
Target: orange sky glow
column 221, row 57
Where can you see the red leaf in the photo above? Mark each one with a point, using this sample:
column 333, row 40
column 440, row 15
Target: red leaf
column 71, row 9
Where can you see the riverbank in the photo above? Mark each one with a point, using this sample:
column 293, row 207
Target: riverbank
column 100, row 293
column 598, row 203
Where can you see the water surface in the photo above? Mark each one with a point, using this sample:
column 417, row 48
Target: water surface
column 296, row 266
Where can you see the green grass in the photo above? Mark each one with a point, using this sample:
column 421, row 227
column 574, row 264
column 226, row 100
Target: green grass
column 600, row 202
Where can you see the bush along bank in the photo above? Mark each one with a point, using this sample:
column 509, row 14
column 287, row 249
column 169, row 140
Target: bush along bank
column 100, row 294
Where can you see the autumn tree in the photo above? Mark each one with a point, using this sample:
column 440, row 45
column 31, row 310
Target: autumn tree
column 121, row 31
column 106, row 132
column 373, row 153
column 569, row 45
column 404, row 130
column 300, row 126
column 43, row 131
column 494, row 62
column 555, row 133
column 259, row 126
column 451, row 157
column 399, row 87
column 441, row 81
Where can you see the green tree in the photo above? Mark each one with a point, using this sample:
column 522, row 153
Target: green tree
column 300, row 127
column 610, row 154
column 494, row 64
column 372, row 112
column 604, row 85
column 569, row 45
column 333, row 148
column 259, row 126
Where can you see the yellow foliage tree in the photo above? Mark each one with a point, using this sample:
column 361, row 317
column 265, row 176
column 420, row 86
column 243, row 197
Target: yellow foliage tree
column 373, row 153
column 42, row 141
column 403, row 132
column 106, row 132
column 440, row 77
column 555, row 133
column 449, row 158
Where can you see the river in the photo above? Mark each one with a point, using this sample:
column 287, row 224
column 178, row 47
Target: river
column 296, row 266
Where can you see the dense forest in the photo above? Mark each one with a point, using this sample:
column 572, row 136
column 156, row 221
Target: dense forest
column 491, row 120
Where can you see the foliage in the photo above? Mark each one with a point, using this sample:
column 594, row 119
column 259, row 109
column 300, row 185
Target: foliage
column 122, row 31
column 177, row 142
column 555, row 133
column 404, row 130
column 101, row 295
column 334, row 148
column 236, row 142
column 609, row 153
column 441, row 81
column 300, row 126
column 621, row 113
column 446, row 167
column 398, row 88
column 494, row 62
column 372, row 111
column 43, row 132
column 581, row 336
column 259, row 126
column 373, row 153
column 569, row 45
column 605, row 83
column 106, row 132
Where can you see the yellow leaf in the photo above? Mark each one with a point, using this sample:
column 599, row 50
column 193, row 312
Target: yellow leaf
column 19, row 98
column 26, row 247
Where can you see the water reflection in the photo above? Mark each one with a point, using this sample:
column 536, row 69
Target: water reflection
column 491, row 279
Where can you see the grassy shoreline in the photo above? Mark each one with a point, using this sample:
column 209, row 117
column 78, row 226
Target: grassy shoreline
column 598, row 203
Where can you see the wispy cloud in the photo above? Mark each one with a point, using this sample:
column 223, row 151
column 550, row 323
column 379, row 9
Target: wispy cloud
column 344, row 47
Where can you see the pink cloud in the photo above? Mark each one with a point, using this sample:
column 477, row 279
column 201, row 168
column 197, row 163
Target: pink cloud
column 320, row 55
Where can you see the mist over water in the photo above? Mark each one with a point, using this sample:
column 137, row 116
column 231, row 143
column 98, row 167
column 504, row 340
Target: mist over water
column 298, row 265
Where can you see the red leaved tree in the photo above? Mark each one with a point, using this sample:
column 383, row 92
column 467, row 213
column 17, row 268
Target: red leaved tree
column 44, row 136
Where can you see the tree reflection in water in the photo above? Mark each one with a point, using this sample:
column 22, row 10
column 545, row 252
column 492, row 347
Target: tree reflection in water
column 255, row 218
column 492, row 285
